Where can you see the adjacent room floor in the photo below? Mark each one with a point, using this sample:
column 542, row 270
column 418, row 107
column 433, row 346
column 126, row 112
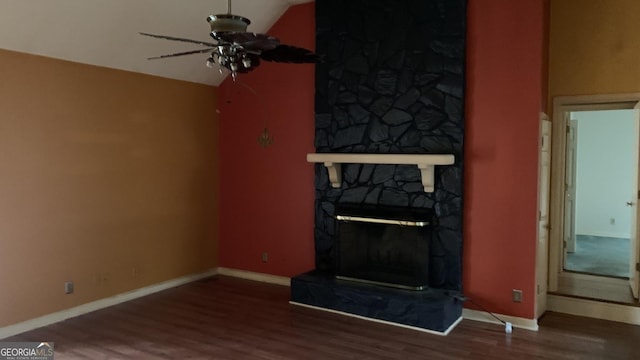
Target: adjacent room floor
column 599, row 255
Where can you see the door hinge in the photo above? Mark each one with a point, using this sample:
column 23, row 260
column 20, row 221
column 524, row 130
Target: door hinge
column 564, row 244
column 568, row 128
column 638, row 194
column 637, row 266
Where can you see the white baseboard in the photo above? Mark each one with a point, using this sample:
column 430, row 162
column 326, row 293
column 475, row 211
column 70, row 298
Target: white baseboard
column 49, row 319
column 517, row 322
column 594, row 309
column 255, row 276
column 433, row 332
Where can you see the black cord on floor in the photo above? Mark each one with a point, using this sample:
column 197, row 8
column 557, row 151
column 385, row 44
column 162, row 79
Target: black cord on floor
column 464, row 298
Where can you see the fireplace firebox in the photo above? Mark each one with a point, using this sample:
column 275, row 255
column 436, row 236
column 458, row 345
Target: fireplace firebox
column 386, row 246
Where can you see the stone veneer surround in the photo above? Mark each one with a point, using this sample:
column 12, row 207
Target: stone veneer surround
column 392, row 82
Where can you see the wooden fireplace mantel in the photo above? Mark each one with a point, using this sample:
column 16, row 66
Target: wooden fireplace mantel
column 425, row 162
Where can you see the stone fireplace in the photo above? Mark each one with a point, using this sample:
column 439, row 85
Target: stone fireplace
column 391, row 83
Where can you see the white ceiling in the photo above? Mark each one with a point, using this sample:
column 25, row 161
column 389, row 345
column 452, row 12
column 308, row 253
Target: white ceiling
column 105, row 32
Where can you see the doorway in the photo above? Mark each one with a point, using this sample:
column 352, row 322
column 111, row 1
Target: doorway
column 599, row 175
column 594, row 193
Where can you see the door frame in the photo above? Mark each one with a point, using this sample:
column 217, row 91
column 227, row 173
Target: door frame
column 562, row 105
column 634, row 264
column 570, row 187
column 542, row 243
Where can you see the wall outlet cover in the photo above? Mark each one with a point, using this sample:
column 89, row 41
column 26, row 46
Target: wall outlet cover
column 516, row 295
column 68, row 287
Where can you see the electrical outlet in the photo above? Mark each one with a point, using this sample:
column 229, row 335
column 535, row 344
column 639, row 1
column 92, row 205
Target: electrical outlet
column 516, row 295
column 265, row 257
column 68, row 287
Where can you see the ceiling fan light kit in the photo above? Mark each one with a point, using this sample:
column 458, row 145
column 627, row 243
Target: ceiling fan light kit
column 237, row 50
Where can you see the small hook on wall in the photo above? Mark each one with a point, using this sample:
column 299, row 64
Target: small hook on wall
column 265, row 139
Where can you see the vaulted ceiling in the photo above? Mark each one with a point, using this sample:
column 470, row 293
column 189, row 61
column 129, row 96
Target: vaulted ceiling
column 105, row 32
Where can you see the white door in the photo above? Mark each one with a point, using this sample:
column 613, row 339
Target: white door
column 634, row 275
column 542, row 248
column 570, row 188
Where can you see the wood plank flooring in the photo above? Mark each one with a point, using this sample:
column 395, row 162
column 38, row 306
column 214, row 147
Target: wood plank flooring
column 596, row 288
column 227, row 318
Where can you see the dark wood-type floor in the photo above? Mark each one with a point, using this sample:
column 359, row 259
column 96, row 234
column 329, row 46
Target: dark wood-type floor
column 592, row 287
column 226, row 318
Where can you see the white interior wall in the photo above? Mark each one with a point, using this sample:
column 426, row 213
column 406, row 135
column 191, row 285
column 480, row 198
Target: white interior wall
column 604, row 172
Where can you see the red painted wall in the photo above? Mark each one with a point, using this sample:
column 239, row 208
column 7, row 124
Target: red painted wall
column 267, row 197
column 503, row 101
column 267, row 194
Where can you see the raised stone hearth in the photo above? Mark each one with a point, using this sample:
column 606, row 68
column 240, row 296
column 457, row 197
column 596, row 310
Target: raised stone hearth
column 435, row 310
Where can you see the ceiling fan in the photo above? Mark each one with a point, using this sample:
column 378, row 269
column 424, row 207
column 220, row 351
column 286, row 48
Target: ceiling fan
column 236, row 49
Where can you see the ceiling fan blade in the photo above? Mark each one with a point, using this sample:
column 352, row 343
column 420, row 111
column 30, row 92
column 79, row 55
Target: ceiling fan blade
column 181, row 54
column 179, row 39
column 290, row 54
column 250, row 41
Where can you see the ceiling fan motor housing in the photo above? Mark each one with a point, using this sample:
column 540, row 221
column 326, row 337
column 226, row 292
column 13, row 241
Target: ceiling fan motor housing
column 227, row 23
